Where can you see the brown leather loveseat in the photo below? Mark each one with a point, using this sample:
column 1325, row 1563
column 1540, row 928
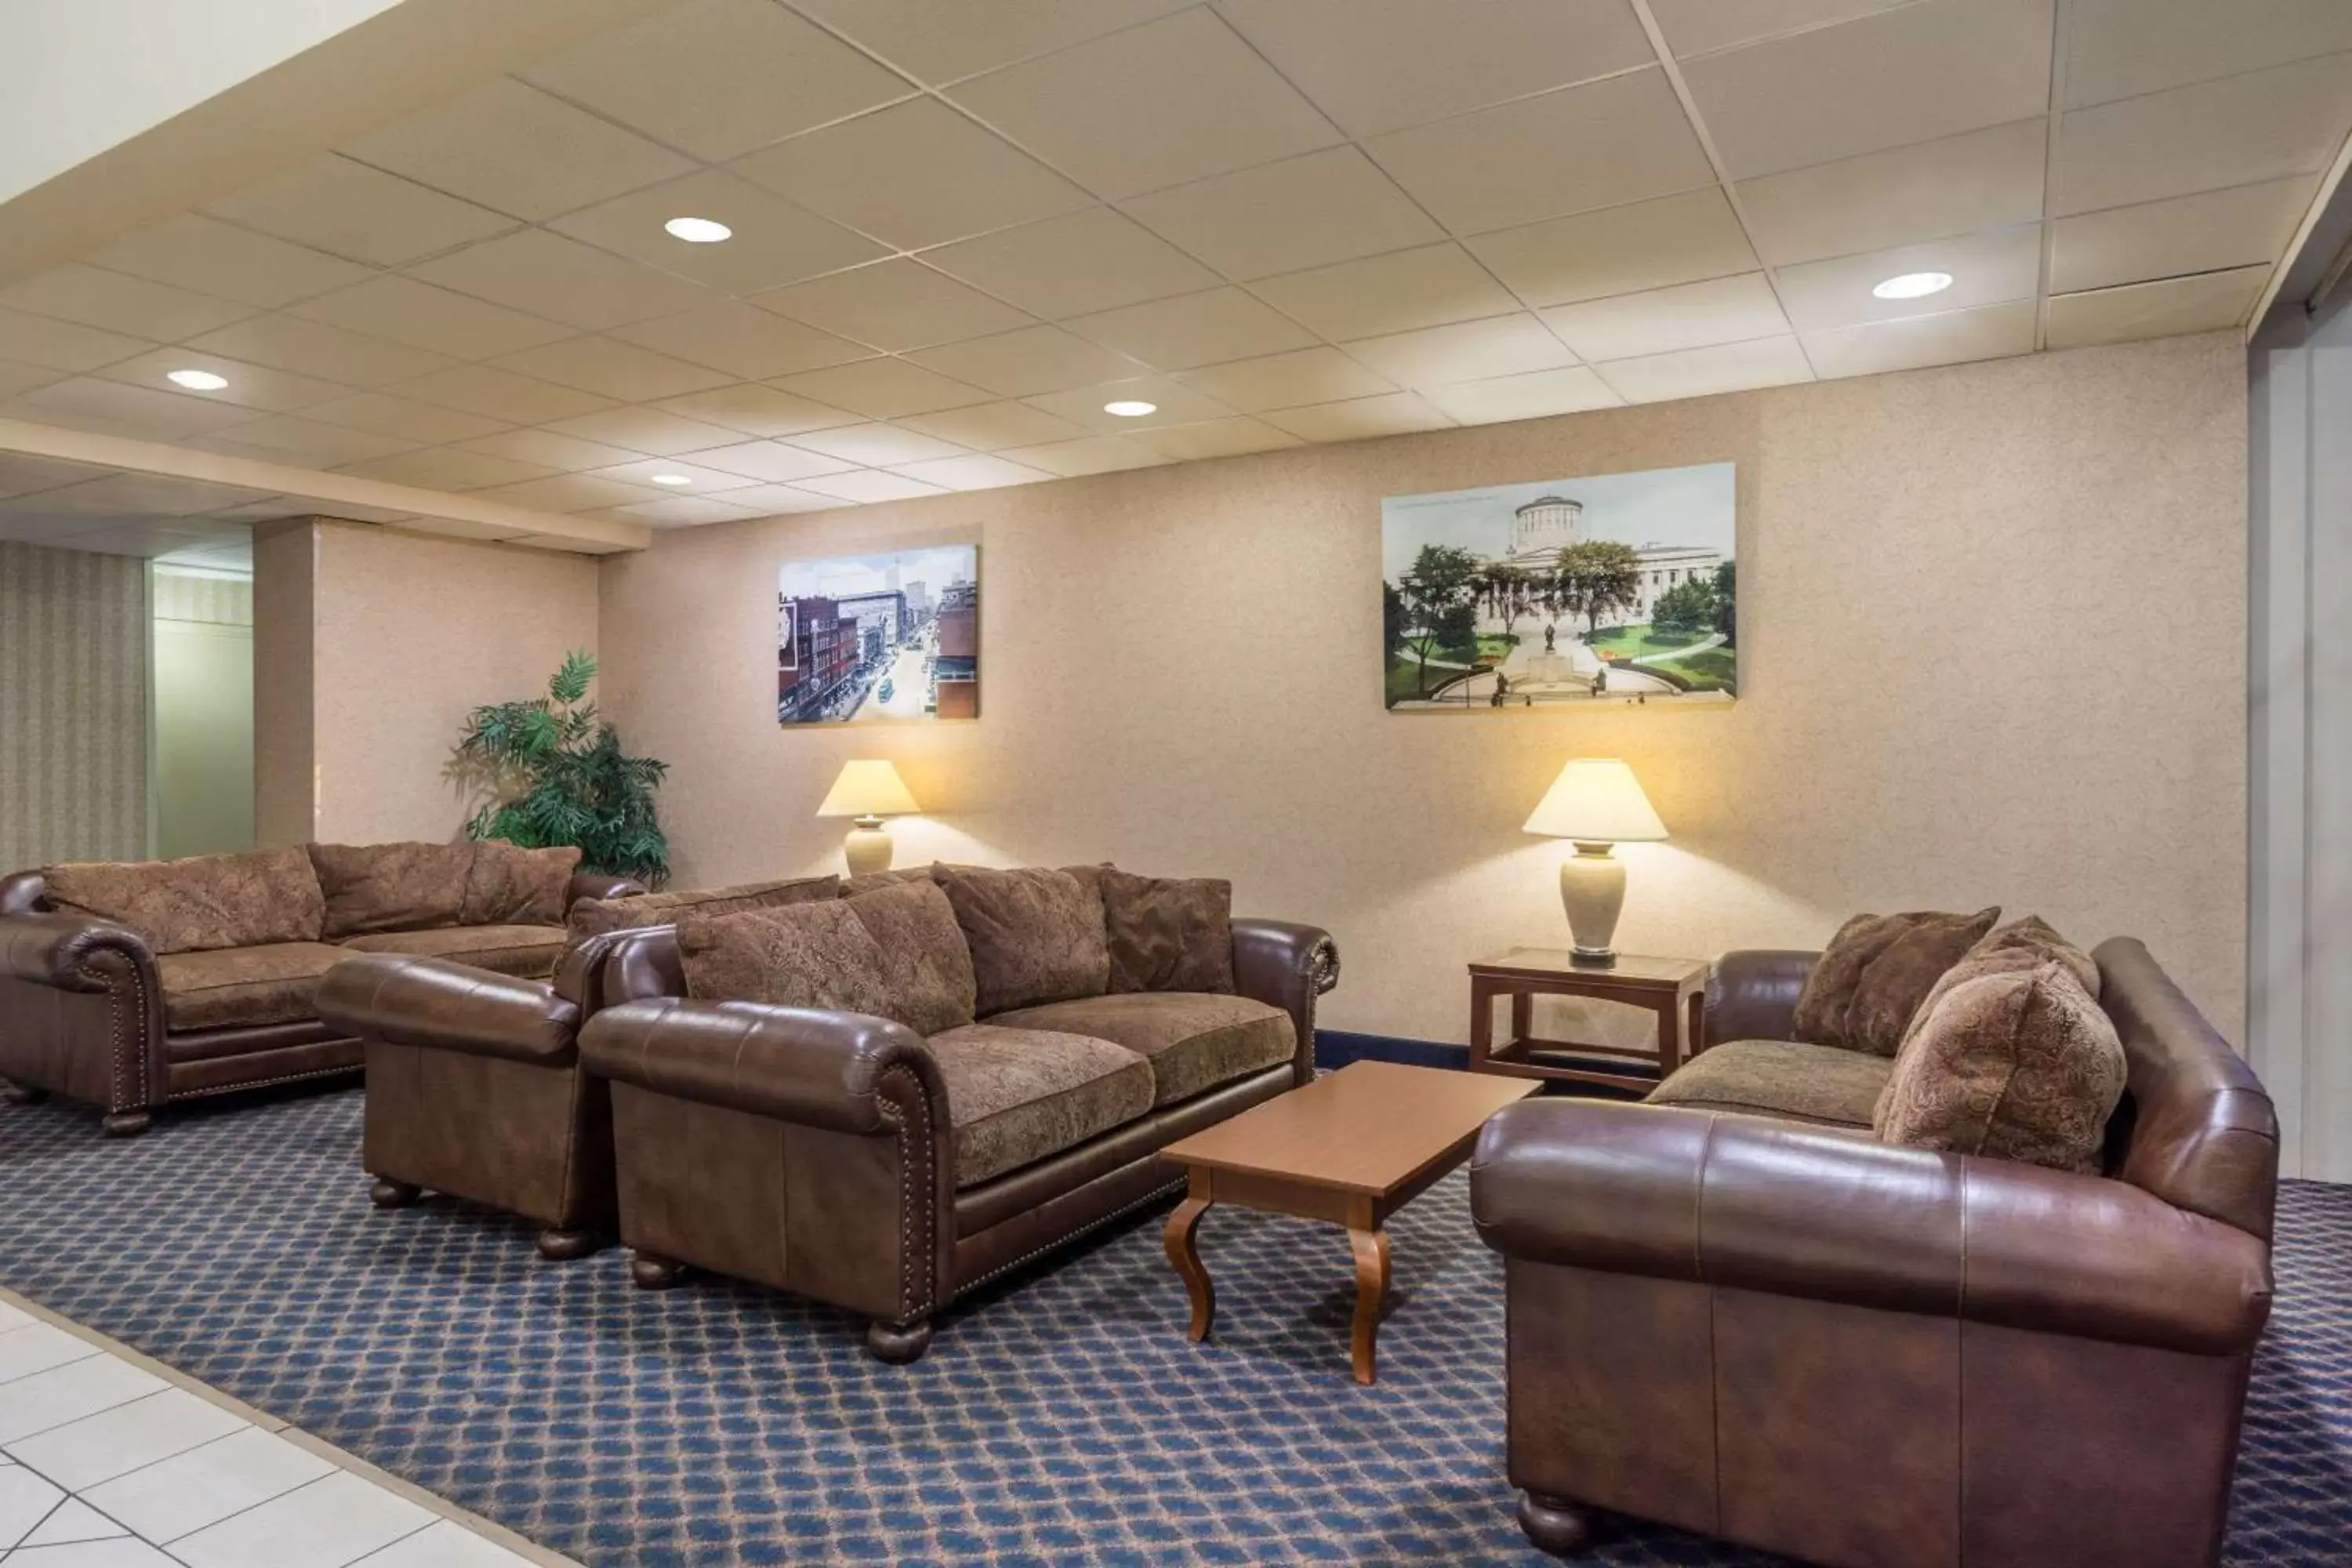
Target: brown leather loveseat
column 1871, row 1356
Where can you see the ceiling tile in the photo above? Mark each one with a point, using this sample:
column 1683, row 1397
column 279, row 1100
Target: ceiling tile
column 1702, row 26
column 942, row 42
column 1955, row 185
column 2261, row 126
column 623, row 372
column 971, row 473
column 250, row 385
column 687, row 511
column 775, row 243
column 1089, row 455
column 547, row 451
column 1703, row 372
column 1686, row 238
column 1175, row 404
column 1911, row 74
column 1660, row 321
column 990, row 426
column 23, row 475
column 118, row 302
column 572, row 492
column 1287, row 380
column 447, row 468
column 2209, row 232
column 421, row 316
column 1088, row 260
column 773, row 461
column 1986, row 268
column 720, row 77
column 894, row 305
column 389, row 416
column 742, row 341
column 1392, row 413
column 192, row 251
column 136, row 495
column 913, row 174
column 1599, row 145
column 307, row 438
column 883, row 388
column 1383, row 65
column 501, row 394
column 314, row 347
column 1534, row 395
column 1194, row 329
column 2117, row 48
column 650, row 430
column 1426, row 287
column 2206, row 303
column 1172, row 101
column 875, row 444
column 18, row 379
column 870, row 484
column 62, row 345
column 1229, row 437
column 1990, row 332
column 1464, row 351
column 136, row 410
column 661, row 474
column 561, row 279
column 759, row 411
column 771, row 501
column 519, row 151
column 349, row 210
column 1284, row 217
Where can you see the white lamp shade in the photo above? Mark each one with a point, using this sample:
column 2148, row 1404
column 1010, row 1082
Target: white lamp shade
column 1597, row 799
column 867, row 789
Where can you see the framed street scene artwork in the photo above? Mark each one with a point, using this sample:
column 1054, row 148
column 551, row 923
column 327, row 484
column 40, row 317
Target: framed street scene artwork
column 879, row 639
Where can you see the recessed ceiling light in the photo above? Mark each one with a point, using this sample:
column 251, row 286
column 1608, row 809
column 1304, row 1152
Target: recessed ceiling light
column 1913, row 285
column 1131, row 408
column 197, row 380
column 672, row 479
column 699, row 230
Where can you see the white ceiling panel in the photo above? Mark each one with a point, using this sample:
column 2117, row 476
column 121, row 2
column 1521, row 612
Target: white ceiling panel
column 687, row 511
column 447, row 468
column 1914, row 342
column 1230, row 438
column 1361, row 418
column 1958, row 184
column 1425, row 287
column 62, row 345
column 348, row 209
column 2210, row 232
column 772, row 462
column 1028, row 362
column 894, row 306
column 1174, row 404
column 1464, row 350
column 1702, row 26
column 650, row 430
column 23, row 475
column 1092, row 259
column 942, row 42
column 771, row 501
column 763, row 411
column 2263, row 125
column 775, row 242
column 572, row 492
column 1534, row 395
column 547, row 451
column 993, row 426
column 1288, row 381
column 202, row 254
column 1599, row 145
column 1703, row 372
column 135, row 494
column 1985, row 268
column 18, row 379
column 133, row 410
column 883, row 388
column 423, row 423
column 874, row 444
column 744, row 341
column 291, row 439
column 611, row 368
column 1087, row 454
column 1663, row 321
column 314, row 347
column 864, row 485
column 501, row 394
column 250, row 385
column 663, row 474
column 1327, row 206
column 118, row 302
column 1655, row 244
column 418, row 315
column 2120, row 49
column 971, row 473
column 1194, row 329
column 2206, row 303
column 561, row 279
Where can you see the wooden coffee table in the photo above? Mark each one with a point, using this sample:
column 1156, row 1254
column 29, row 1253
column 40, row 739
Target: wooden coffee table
column 1351, row 1148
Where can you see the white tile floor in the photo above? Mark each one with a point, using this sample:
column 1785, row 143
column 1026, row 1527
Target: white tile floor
column 110, row 1460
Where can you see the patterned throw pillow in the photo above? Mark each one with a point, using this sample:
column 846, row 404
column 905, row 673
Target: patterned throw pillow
column 391, row 887
column 1169, row 933
column 594, row 917
column 1862, row 992
column 201, row 903
column 927, row 967
column 509, row 886
column 795, row 956
column 1035, row 935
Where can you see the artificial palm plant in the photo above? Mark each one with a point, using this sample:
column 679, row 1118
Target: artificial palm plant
column 556, row 774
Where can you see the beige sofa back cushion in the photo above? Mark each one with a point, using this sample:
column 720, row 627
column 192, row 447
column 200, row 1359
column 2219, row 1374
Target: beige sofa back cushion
column 512, row 885
column 1876, row 973
column 1035, row 934
column 795, row 956
column 200, row 903
column 594, row 917
column 390, row 887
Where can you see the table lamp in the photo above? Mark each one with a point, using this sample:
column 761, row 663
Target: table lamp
column 1596, row 803
column 869, row 791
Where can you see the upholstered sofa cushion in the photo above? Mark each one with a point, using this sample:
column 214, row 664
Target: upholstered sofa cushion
column 795, row 956
column 1035, row 934
column 512, row 885
column 2018, row 1064
column 1876, row 973
column 201, row 903
column 1168, row 933
column 244, row 987
column 594, row 917
column 1195, row 1040
column 869, row 881
column 1790, row 1079
column 1016, row 1096
column 925, row 967
column 390, row 887
column 527, row 951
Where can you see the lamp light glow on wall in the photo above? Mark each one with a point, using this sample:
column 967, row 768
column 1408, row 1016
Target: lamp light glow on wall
column 1596, row 803
column 868, row 790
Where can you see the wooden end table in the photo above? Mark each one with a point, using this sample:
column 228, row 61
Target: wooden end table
column 1353, row 1148
column 1672, row 988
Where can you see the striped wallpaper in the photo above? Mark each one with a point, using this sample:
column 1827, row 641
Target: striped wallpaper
column 73, row 706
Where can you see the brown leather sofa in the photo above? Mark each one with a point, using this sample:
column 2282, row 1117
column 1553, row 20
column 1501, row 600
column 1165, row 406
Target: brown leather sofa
column 90, row 1010
column 1862, row 1355
column 829, row 1152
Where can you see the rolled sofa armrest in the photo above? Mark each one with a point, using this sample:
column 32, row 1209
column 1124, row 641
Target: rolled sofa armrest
column 806, row 1065
column 1287, row 965
column 596, row 885
column 72, row 951
column 1753, row 1204
column 444, row 1006
column 1751, row 995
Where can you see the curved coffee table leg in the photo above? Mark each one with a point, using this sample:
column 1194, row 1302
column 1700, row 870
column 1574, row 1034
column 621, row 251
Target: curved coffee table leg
column 1186, row 1256
column 1371, row 1294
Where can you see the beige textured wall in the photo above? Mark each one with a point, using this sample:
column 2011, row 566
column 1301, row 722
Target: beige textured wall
column 73, row 706
column 1993, row 627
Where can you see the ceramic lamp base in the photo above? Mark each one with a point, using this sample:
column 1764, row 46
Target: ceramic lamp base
column 867, row 847
column 1593, row 890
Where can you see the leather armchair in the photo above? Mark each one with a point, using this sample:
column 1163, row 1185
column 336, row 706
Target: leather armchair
column 1865, row 1355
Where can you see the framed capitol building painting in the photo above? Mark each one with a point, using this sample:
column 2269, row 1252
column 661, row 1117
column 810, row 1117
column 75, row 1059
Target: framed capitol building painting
column 1615, row 588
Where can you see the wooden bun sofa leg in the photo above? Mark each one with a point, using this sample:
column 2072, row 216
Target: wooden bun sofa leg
column 559, row 1244
column 650, row 1271
column 1554, row 1524
column 390, row 1194
column 895, row 1344
column 127, row 1124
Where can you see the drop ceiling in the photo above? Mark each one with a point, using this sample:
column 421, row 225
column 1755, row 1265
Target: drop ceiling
column 959, row 231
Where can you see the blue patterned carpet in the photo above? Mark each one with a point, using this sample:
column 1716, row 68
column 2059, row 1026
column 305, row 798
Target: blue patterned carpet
column 1065, row 1420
